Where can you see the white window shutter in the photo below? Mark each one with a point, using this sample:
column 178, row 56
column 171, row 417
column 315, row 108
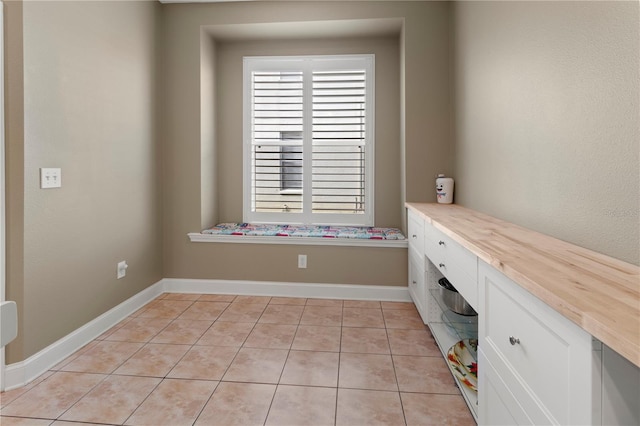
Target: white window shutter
column 309, row 140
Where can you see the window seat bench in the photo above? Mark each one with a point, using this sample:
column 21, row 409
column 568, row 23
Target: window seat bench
column 359, row 236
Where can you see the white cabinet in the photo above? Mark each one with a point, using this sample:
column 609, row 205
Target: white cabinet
column 533, row 355
column 417, row 288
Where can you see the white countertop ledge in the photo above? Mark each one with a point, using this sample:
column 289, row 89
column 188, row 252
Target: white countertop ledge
column 197, row 237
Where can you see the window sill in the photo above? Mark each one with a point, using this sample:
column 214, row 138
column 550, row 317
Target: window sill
column 197, row 237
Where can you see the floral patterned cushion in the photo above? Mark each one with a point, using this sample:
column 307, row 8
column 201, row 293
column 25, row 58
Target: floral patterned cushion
column 319, row 231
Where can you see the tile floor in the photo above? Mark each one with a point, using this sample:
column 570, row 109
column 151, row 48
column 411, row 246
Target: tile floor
column 189, row 359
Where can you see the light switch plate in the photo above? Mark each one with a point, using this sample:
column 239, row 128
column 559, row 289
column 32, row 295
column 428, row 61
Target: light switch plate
column 50, row 177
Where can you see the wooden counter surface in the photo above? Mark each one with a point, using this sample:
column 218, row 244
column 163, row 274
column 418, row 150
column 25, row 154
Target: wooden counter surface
column 599, row 293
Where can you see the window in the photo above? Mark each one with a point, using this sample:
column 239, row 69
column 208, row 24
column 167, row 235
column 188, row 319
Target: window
column 308, row 139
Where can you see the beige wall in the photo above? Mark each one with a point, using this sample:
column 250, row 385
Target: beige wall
column 89, row 109
column 547, row 118
column 387, row 118
column 425, row 136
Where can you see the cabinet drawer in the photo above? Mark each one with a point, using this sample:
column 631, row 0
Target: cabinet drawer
column 535, row 348
column 458, row 264
column 415, row 224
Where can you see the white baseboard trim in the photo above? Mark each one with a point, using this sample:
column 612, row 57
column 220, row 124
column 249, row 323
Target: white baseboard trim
column 285, row 289
column 21, row 373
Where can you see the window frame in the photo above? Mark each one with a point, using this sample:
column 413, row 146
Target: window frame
column 309, row 64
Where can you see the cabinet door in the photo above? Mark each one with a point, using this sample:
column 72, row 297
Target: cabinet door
column 497, row 405
column 417, row 285
column 545, row 359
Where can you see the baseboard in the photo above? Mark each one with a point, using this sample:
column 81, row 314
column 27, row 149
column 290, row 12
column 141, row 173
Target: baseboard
column 286, row 289
column 21, row 373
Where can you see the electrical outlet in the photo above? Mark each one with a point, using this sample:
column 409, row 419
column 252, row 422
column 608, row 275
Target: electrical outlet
column 122, row 269
column 50, row 177
column 302, row 261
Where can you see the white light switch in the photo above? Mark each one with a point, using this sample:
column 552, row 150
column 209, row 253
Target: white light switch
column 50, row 177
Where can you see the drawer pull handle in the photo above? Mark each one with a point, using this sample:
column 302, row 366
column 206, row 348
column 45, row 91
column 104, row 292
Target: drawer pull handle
column 440, row 243
column 441, row 265
column 514, row 340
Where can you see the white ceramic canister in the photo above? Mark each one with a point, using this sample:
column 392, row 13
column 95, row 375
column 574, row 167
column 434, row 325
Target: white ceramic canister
column 444, row 189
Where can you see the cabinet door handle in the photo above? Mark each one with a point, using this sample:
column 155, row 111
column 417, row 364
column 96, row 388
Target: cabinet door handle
column 441, row 265
column 414, row 236
column 440, row 243
column 514, row 340
column 414, row 282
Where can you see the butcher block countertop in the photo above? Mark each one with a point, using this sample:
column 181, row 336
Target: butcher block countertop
column 599, row 293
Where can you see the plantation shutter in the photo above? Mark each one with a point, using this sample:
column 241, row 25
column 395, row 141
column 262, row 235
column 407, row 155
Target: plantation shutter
column 277, row 141
column 309, row 140
column 339, row 143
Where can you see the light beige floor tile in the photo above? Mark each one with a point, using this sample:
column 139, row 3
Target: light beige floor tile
column 114, row 328
column 181, row 296
column 317, row 338
column 282, row 314
column 21, row 421
column 204, row 311
column 217, row 298
column 434, row 410
column 371, row 408
column 174, row 402
column 242, row 312
column 322, row 315
column 424, row 374
column 9, row 396
column 325, row 302
column 403, row 318
column 288, row 301
column 371, row 304
column 204, row 363
column 257, row 366
column 59, row 366
column 52, row 397
column 169, row 309
column 365, row 340
column 367, row 371
column 138, row 330
column 238, row 404
column 153, row 360
column 226, row 334
column 362, row 317
column 257, row 300
column 182, row 332
column 271, row 336
column 113, row 400
column 104, row 357
column 300, row 405
column 311, row 369
column 408, row 306
column 412, row 342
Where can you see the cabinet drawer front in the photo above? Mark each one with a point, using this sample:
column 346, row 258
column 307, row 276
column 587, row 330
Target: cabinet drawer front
column 415, row 225
column 541, row 349
column 459, row 265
